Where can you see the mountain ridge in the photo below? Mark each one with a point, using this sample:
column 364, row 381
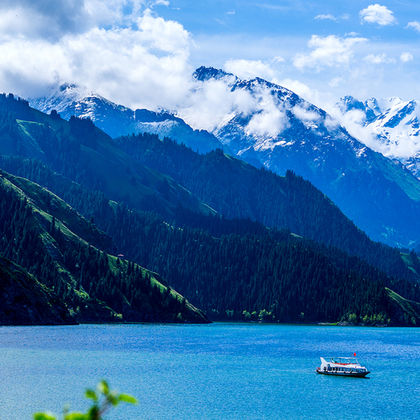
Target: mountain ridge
column 304, row 138
column 86, row 154
column 312, row 144
column 239, row 190
column 117, row 120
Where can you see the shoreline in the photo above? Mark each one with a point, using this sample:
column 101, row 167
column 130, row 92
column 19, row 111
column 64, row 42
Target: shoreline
column 312, row 324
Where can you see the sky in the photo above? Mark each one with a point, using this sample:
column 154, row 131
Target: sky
column 141, row 53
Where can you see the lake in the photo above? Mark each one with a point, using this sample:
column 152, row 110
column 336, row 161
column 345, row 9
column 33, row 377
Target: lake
column 216, row 371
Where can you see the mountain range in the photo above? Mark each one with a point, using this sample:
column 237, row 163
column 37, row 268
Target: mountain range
column 120, row 210
column 370, row 189
column 117, row 120
column 280, row 132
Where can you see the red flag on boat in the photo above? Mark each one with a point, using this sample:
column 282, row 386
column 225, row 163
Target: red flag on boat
column 354, row 354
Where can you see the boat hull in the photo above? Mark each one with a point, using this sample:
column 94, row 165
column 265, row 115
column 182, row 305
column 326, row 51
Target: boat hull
column 350, row 374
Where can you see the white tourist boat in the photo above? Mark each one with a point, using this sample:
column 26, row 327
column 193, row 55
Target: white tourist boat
column 342, row 366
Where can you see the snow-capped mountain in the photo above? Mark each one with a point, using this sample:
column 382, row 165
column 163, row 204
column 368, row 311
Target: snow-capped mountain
column 282, row 131
column 392, row 128
column 117, row 120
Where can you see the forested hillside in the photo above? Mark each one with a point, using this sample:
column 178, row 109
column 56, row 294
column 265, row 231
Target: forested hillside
column 238, row 190
column 238, row 269
column 42, row 234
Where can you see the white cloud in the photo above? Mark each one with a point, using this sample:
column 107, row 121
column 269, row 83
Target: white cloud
column 300, row 88
column 161, row 3
column 145, row 64
column 26, row 19
column 327, row 16
column 327, row 51
column 124, row 51
column 414, row 25
column 305, row 115
column 278, row 59
column 405, row 57
column 320, row 98
column 211, row 102
column 354, row 121
column 379, row 59
column 270, row 121
column 335, row 81
column 51, row 19
column 376, row 13
column 248, row 69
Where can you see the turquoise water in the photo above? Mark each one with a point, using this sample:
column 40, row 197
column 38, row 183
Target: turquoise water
column 217, row 371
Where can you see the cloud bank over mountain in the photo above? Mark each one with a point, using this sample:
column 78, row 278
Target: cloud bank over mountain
column 131, row 55
column 141, row 53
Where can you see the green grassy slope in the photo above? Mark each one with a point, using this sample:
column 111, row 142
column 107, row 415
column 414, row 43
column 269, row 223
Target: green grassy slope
column 405, row 310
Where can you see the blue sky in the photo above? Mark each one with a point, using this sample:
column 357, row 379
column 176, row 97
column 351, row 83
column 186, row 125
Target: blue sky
column 290, row 18
column 142, row 52
column 263, row 30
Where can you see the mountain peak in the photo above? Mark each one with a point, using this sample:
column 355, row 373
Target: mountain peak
column 67, row 86
column 369, row 107
column 204, row 73
column 348, row 103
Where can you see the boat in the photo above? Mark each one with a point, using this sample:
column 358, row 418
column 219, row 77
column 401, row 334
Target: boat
column 342, row 366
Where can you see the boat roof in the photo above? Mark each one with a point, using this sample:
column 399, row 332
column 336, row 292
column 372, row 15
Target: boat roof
column 341, row 360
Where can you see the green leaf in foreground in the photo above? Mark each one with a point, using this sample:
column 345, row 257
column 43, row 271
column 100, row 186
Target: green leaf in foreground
column 91, row 394
column 44, row 416
column 127, row 398
column 102, row 400
column 76, row 416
